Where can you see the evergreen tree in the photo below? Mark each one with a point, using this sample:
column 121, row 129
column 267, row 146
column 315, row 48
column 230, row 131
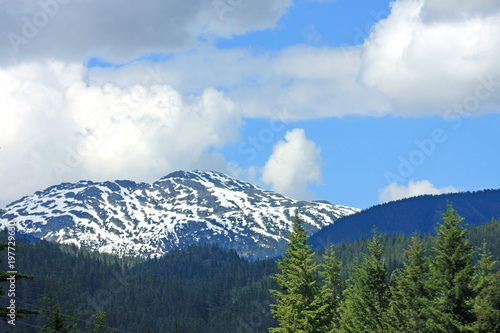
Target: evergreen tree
column 410, row 295
column 487, row 302
column 331, row 291
column 487, row 307
column 58, row 317
column 298, row 305
column 484, row 269
column 451, row 273
column 366, row 299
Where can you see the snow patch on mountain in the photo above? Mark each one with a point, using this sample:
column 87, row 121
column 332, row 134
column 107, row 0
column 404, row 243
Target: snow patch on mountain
column 184, row 207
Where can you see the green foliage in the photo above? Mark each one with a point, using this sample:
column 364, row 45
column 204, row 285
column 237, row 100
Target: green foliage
column 366, row 298
column 451, row 290
column 58, row 317
column 451, row 274
column 205, row 288
column 298, row 304
column 410, row 296
column 487, row 307
column 331, row 291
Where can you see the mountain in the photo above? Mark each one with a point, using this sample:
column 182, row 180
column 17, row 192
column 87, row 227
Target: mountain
column 185, row 207
column 417, row 214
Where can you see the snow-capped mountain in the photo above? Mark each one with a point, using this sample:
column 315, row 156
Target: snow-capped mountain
column 185, row 207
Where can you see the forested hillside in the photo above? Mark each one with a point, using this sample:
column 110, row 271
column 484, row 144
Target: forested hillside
column 203, row 288
column 409, row 215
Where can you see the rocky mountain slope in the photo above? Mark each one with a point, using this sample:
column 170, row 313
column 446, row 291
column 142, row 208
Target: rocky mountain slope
column 185, row 207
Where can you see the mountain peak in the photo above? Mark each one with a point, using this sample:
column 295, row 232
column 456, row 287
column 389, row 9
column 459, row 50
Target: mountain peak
column 184, row 207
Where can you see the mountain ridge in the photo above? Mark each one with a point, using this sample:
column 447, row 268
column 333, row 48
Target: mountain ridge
column 409, row 215
column 181, row 208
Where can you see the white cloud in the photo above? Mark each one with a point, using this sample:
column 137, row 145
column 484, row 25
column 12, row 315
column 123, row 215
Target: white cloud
column 428, row 67
column 395, row 191
column 74, row 30
column 438, row 10
column 293, row 164
column 407, row 66
column 311, row 82
column 56, row 127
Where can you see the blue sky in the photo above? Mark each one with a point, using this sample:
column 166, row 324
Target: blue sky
column 354, row 102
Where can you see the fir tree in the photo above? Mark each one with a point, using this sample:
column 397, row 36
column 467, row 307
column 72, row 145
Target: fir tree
column 487, row 302
column 366, row 299
column 451, row 274
column 484, row 269
column 298, row 305
column 487, row 307
column 410, row 295
column 330, row 291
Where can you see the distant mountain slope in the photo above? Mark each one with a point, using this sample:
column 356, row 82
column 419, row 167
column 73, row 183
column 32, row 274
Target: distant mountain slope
column 125, row 217
column 409, row 215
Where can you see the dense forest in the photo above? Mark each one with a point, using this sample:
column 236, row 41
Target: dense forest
column 441, row 291
column 204, row 288
column 410, row 214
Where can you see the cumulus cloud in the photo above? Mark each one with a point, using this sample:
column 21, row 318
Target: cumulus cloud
column 56, row 127
column 74, row 30
column 293, row 164
column 407, row 66
column 396, row 191
column 429, row 67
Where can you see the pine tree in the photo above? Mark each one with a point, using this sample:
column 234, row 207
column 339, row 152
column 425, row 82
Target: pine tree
column 366, row 299
column 330, row 291
column 451, row 274
column 298, row 304
column 410, row 295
